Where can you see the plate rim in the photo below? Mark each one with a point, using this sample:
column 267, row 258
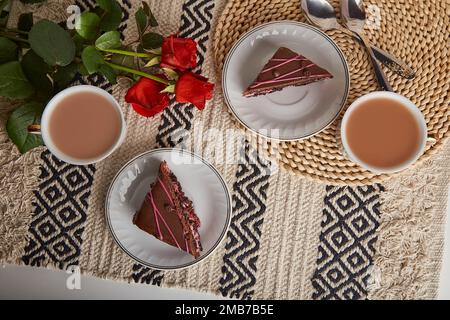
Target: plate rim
column 299, row 24
column 216, row 244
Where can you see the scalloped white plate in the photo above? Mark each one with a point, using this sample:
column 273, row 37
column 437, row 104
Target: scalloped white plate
column 295, row 112
column 201, row 183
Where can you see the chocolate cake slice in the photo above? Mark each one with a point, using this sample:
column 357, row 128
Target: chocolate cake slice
column 169, row 215
column 286, row 68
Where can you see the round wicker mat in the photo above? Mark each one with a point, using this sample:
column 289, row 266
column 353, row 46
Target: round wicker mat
column 415, row 31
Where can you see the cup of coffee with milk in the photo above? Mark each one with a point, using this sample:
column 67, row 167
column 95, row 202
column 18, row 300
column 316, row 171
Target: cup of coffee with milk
column 82, row 125
column 383, row 132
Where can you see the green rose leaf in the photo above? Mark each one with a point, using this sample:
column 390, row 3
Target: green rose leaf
column 109, row 40
column 152, row 40
column 113, row 15
column 79, row 43
column 98, row 11
column 92, row 59
column 87, row 25
column 148, row 12
column 13, row 82
column 17, row 126
column 8, row 50
column 141, row 20
column 52, row 43
column 25, row 22
column 82, row 70
column 109, row 73
column 31, row 62
column 65, row 75
column 35, row 69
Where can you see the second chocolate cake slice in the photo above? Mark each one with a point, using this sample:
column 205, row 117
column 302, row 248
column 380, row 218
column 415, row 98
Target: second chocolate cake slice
column 168, row 214
column 286, row 68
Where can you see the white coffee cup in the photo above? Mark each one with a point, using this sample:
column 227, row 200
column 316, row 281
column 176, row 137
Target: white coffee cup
column 43, row 127
column 405, row 102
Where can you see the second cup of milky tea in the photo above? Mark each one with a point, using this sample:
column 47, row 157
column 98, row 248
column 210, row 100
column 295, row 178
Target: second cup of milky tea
column 383, row 132
column 82, row 125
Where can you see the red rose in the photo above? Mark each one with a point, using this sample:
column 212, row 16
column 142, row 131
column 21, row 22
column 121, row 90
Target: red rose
column 193, row 88
column 146, row 98
column 178, row 53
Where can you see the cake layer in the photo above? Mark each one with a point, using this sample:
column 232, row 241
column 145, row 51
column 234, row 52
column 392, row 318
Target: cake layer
column 286, row 68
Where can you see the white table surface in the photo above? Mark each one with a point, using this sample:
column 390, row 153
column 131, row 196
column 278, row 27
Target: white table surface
column 37, row 283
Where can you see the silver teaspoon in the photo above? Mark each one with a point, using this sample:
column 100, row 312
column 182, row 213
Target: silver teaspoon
column 321, row 14
column 354, row 17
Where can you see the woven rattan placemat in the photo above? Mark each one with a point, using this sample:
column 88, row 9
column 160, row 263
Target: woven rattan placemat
column 415, row 31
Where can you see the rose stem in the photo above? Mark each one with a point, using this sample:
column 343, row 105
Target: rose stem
column 128, row 53
column 139, row 73
column 14, row 31
column 12, row 37
column 131, row 42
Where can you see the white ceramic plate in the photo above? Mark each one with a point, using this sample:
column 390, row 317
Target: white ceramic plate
column 295, row 112
column 201, row 183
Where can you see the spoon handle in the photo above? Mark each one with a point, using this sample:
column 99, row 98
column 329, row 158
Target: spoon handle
column 394, row 64
column 381, row 77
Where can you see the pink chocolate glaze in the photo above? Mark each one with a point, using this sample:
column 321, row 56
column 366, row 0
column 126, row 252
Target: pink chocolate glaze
column 284, row 61
column 165, row 190
column 280, row 78
column 163, row 185
column 152, row 203
column 316, row 76
column 156, row 211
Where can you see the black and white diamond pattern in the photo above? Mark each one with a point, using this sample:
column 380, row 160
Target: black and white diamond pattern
column 177, row 119
column 243, row 238
column 142, row 274
column 346, row 249
column 196, row 24
column 60, row 207
column 95, row 79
